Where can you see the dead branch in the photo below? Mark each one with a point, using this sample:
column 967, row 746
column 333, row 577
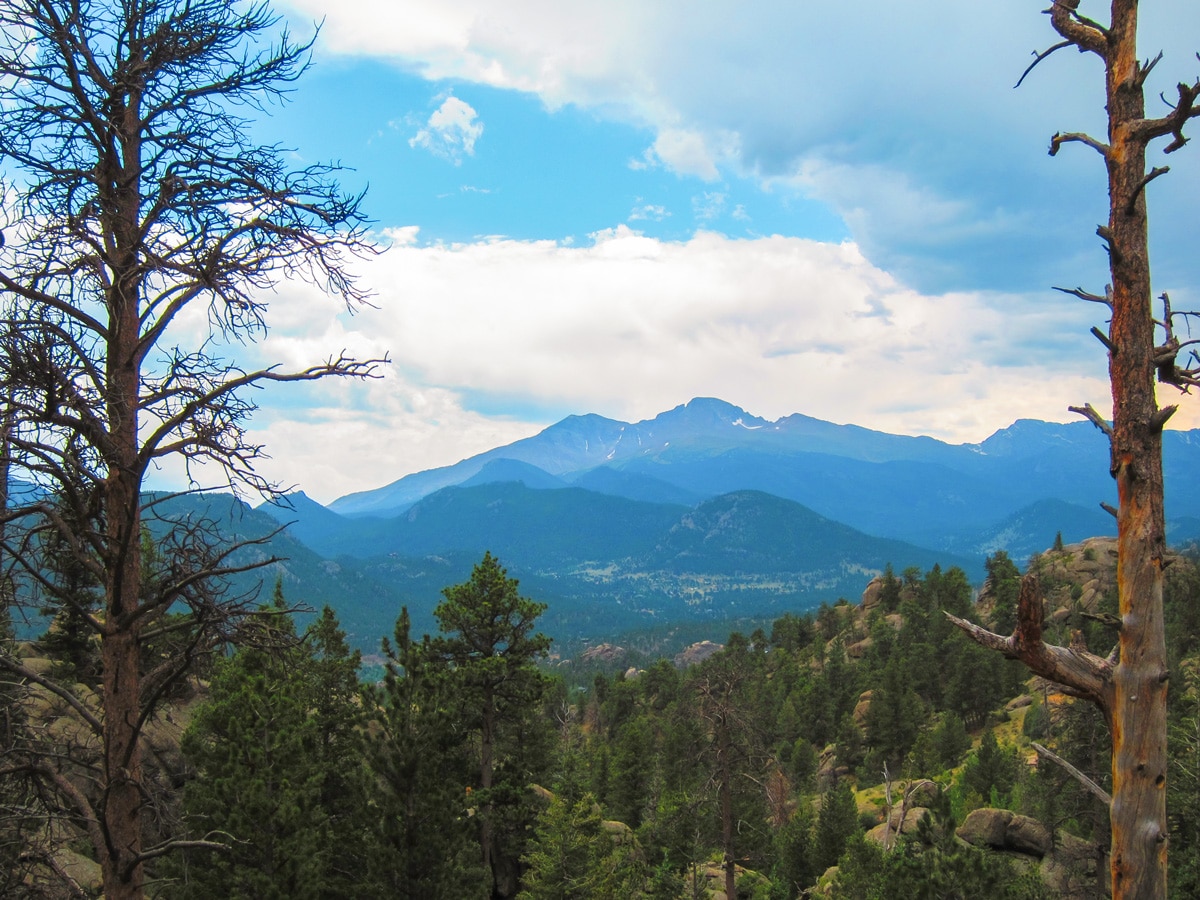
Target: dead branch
column 204, row 843
column 1038, row 57
column 1103, row 338
column 1137, row 192
column 1089, row 412
column 1079, row 673
column 1091, row 786
column 7, row 662
column 1078, row 138
column 1087, row 35
column 1091, row 298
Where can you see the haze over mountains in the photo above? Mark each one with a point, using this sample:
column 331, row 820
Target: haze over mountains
column 709, row 512
column 968, row 498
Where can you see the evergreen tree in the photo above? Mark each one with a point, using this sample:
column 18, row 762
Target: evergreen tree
column 795, row 851
column 1004, row 581
column 421, row 803
column 991, row 771
column 889, row 597
column 489, row 642
column 894, row 718
column 573, row 856
column 275, row 772
column 950, row 741
column 837, row 823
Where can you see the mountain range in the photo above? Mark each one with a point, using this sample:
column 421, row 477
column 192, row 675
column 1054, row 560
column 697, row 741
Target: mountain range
column 966, row 498
column 708, row 512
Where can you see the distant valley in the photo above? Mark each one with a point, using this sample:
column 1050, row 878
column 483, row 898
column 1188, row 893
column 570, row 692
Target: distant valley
column 705, row 513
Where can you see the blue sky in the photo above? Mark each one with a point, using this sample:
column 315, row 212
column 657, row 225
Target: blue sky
column 844, row 210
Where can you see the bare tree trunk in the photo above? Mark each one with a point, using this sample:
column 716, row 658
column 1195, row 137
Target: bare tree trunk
column 1130, row 687
column 1138, row 715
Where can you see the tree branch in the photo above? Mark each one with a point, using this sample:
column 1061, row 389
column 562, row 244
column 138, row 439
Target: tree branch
column 6, row 662
column 1089, row 412
column 1059, row 139
column 1088, row 36
column 1091, row 786
column 1080, row 673
column 1091, row 298
column 1038, row 58
column 1150, row 176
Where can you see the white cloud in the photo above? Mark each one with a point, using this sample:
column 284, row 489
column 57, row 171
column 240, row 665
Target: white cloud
column 686, row 152
column 648, row 212
column 451, row 131
column 628, row 326
column 922, row 93
column 708, row 205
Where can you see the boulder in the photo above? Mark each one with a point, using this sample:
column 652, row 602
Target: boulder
column 603, row 652
column 861, row 707
column 985, row 827
column 697, row 653
column 859, row 649
column 872, row 593
column 1001, row 829
column 888, row 830
column 1029, row 836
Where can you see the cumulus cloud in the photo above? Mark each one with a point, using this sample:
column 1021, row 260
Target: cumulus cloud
column 628, row 326
column 824, row 99
column 451, row 131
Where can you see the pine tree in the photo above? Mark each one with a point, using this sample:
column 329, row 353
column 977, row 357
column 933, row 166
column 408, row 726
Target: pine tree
column 573, row 856
column 421, row 799
column 488, row 640
column 275, row 771
column 837, row 822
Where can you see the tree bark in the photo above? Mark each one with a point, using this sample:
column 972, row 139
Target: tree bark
column 1131, row 691
column 1138, row 716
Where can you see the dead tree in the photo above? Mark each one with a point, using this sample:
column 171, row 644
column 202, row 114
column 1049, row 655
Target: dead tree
column 135, row 196
column 1130, row 686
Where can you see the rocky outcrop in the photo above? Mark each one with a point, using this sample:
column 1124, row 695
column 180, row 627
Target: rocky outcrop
column 697, row 653
column 1002, row 829
column 603, row 653
column 885, row 833
column 862, row 707
column 708, row 881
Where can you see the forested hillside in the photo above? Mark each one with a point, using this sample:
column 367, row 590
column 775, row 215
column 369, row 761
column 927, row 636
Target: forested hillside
column 868, row 750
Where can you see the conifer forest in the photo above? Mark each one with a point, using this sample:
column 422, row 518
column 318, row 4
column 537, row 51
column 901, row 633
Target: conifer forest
column 166, row 732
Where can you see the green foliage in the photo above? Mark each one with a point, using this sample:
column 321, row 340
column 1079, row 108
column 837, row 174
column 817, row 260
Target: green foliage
column 1004, row 580
column 893, row 719
column 796, row 864
column 1183, row 782
column 791, row 633
column 991, row 771
column 938, row 869
column 490, row 647
column 1037, row 721
column 837, row 823
column 273, row 749
column 889, row 597
column 573, row 855
column 426, row 843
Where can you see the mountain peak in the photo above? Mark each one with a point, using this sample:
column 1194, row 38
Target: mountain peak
column 709, row 411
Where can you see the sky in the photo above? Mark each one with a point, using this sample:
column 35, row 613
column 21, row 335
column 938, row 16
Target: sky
column 841, row 210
